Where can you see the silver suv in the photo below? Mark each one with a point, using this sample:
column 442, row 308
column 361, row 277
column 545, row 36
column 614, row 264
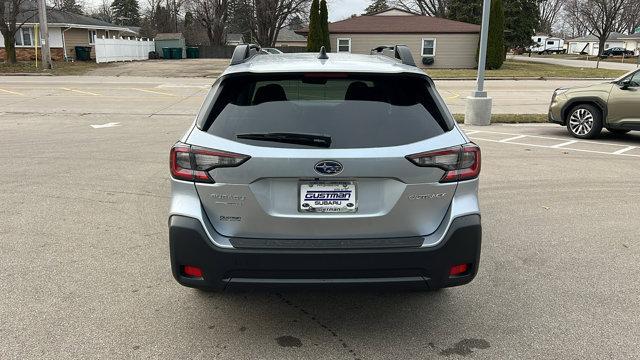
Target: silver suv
column 329, row 169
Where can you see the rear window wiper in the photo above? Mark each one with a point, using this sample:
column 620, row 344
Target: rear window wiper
column 291, row 138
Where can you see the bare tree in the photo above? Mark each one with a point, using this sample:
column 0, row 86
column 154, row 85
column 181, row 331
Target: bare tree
column 573, row 26
column 548, row 12
column 438, row 8
column 103, row 11
column 14, row 14
column 272, row 15
column 630, row 19
column 212, row 14
column 601, row 17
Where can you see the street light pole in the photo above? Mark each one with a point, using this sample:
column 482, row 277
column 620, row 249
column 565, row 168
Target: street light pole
column 44, row 35
column 478, row 110
column 482, row 57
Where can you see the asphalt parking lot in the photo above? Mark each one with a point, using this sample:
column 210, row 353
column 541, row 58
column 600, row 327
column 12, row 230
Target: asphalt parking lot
column 84, row 267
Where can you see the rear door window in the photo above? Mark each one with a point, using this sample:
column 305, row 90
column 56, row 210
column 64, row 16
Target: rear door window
column 355, row 111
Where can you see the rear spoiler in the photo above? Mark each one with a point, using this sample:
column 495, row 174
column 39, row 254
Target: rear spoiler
column 244, row 52
column 400, row 52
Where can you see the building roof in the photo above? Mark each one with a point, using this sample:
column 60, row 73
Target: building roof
column 309, row 62
column 635, row 36
column 590, row 38
column 169, row 36
column 392, row 10
column 399, row 24
column 29, row 15
column 288, row 35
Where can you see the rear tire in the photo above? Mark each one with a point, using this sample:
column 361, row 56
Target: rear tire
column 584, row 121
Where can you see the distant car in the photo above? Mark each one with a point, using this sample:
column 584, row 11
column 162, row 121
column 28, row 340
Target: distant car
column 585, row 110
column 617, row 51
column 272, row 51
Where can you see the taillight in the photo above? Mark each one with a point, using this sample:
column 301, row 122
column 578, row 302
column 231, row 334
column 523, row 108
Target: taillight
column 459, row 162
column 193, row 163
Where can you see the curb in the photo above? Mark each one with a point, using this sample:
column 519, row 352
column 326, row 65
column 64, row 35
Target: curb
column 26, row 74
column 519, row 78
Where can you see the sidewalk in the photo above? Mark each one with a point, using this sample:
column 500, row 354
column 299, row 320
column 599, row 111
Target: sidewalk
column 577, row 63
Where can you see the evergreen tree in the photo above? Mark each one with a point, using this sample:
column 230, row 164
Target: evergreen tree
column 495, row 45
column 521, row 18
column 376, row 6
column 315, row 32
column 126, row 12
column 324, row 26
column 469, row 11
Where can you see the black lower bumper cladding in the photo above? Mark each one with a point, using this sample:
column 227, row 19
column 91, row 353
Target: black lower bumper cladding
column 406, row 266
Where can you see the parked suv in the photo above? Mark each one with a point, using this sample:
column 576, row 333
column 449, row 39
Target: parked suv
column 338, row 169
column 585, row 110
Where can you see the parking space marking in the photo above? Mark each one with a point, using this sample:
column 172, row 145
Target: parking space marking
column 622, row 151
column 153, row 92
column 513, row 138
column 107, row 125
column 11, row 92
column 454, row 95
column 564, row 144
column 80, row 91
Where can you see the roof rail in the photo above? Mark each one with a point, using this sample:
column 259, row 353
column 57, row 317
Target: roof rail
column 401, row 52
column 243, row 52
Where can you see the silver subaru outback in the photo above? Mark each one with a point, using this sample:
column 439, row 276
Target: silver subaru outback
column 329, row 169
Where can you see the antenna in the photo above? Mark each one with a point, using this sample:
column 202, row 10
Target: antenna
column 323, row 54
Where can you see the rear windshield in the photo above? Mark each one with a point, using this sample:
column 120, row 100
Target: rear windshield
column 354, row 111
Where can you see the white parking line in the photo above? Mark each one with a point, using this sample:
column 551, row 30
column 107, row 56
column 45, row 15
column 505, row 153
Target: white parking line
column 11, row 92
column 153, row 92
column 622, row 151
column 564, row 144
column 512, row 138
column 80, row 91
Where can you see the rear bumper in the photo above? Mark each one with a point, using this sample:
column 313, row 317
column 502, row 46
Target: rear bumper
column 412, row 266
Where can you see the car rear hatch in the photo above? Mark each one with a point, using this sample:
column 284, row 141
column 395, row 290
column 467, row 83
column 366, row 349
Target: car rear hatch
column 325, row 156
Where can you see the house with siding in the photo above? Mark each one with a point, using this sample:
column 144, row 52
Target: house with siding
column 66, row 31
column 434, row 42
column 590, row 44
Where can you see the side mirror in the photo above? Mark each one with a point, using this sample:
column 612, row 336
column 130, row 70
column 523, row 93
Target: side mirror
column 625, row 84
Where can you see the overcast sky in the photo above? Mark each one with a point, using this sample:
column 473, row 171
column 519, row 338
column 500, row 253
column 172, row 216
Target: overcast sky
column 342, row 9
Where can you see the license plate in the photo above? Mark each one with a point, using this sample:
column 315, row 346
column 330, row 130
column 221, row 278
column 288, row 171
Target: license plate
column 328, row 197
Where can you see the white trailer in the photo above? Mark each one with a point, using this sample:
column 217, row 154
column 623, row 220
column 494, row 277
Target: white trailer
column 547, row 45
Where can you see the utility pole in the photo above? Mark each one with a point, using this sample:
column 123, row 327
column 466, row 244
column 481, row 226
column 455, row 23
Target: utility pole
column 44, row 35
column 478, row 109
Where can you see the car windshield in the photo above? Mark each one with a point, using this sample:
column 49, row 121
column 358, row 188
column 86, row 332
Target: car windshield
column 354, row 111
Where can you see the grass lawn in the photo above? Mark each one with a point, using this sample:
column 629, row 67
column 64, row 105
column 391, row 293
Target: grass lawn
column 512, row 68
column 59, row 67
column 510, row 118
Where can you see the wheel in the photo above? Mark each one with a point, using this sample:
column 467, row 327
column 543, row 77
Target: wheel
column 584, row 121
column 618, row 131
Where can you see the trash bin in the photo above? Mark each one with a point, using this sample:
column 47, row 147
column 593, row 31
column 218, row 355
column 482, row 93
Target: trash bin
column 83, row 53
column 193, row 53
column 166, row 53
column 176, row 53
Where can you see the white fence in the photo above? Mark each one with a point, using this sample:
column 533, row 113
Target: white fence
column 110, row 50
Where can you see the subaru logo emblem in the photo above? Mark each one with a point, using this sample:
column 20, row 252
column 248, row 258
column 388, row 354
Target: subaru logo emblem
column 328, row 167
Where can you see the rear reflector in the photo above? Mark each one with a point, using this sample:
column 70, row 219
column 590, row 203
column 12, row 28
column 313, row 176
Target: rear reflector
column 193, row 163
column 191, row 271
column 459, row 162
column 458, row 270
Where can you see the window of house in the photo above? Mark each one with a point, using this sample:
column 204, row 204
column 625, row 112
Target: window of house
column 24, row 36
column 106, row 34
column 92, row 36
column 344, row 44
column 428, row 47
